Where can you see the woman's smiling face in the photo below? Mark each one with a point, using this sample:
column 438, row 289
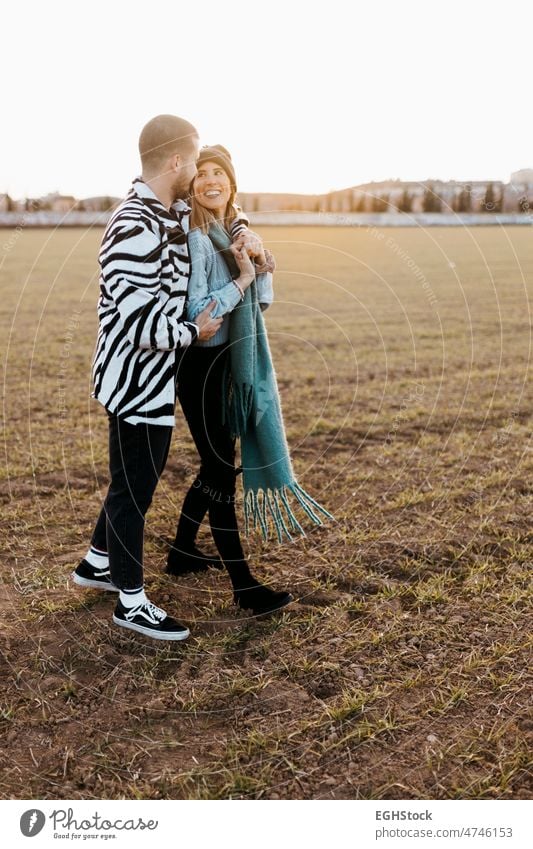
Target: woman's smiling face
column 212, row 188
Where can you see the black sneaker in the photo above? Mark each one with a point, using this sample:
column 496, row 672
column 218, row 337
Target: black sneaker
column 181, row 561
column 150, row 620
column 86, row 575
column 261, row 599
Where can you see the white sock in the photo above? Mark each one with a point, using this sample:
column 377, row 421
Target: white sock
column 131, row 598
column 98, row 559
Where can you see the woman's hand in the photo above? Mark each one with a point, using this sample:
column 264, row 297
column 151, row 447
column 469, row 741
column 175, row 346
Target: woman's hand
column 246, row 266
column 253, row 244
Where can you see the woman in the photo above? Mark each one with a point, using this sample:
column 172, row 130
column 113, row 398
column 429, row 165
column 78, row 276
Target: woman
column 226, row 387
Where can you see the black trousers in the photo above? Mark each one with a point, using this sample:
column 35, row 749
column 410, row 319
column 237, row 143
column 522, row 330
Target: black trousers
column 199, row 391
column 137, row 457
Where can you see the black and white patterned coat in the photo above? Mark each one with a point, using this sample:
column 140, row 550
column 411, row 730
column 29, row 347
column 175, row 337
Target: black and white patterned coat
column 145, row 267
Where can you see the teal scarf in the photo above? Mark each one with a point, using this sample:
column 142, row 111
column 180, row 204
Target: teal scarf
column 252, row 411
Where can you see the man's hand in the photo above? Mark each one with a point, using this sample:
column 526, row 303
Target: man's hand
column 270, row 264
column 208, row 326
column 253, row 245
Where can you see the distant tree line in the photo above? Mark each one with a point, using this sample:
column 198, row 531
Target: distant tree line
column 103, row 204
column 462, row 201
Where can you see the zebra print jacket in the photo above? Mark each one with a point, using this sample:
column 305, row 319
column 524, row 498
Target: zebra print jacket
column 145, row 266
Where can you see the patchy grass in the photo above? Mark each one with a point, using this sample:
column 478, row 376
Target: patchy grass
column 403, row 670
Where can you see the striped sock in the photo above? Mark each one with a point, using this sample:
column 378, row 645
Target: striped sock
column 131, row 598
column 98, row 559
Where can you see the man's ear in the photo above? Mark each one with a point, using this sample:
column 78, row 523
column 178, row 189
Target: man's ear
column 176, row 162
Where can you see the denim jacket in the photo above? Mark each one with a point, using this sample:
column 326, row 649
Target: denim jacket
column 210, row 280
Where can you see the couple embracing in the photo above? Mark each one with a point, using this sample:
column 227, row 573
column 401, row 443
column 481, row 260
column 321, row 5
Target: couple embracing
column 183, row 287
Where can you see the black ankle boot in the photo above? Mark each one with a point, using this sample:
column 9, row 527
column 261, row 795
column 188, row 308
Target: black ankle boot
column 261, row 599
column 183, row 561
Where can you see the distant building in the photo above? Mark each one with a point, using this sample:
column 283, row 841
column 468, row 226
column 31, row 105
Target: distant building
column 523, row 177
column 102, row 203
column 55, row 202
column 5, row 202
column 63, row 203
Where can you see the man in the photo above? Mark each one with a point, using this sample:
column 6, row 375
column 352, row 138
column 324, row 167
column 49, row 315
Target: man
column 145, row 268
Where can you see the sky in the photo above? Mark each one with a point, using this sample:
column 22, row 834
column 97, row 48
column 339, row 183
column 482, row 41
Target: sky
column 307, row 96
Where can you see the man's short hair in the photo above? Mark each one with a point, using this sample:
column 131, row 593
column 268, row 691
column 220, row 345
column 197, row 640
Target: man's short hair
column 161, row 138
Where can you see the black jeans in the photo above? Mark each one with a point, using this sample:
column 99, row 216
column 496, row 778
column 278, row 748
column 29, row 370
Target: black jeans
column 199, row 391
column 137, row 457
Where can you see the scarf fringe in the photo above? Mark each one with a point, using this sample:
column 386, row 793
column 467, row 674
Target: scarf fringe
column 276, row 502
column 237, row 407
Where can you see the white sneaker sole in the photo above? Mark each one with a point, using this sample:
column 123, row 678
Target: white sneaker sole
column 149, row 632
column 95, row 585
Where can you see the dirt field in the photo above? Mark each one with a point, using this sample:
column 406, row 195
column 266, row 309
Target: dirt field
column 403, row 359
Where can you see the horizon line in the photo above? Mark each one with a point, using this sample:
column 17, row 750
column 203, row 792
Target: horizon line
column 389, row 180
